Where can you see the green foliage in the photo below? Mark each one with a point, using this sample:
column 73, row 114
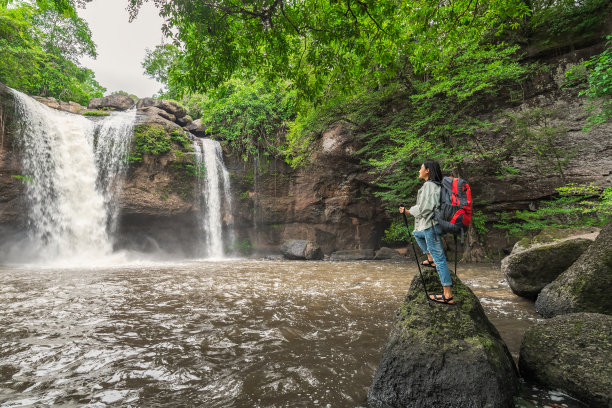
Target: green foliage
column 179, row 137
column 576, row 205
column 478, row 223
column 244, row 246
column 39, row 50
column 555, row 21
column 96, row 113
column 599, row 91
column 149, row 139
column 25, row 179
column 396, row 233
column 576, row 76
column 325, row 45
column 249, row 116
column 158, row 63
column 534, row 133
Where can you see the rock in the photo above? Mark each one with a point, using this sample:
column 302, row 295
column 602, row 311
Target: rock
column 584, row 286
column 114, row 102
column 53, row 103
column 353, row 255
column 443, row 356
column 184, row 121
column 387, row 253
column 171, row 107
column 152, row 115
column 571, row 353
column 534, row 264
column 301, row 249
column 152, row 110
column 196, row 128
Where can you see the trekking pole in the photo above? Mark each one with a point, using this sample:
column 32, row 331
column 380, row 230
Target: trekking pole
column 416, row 257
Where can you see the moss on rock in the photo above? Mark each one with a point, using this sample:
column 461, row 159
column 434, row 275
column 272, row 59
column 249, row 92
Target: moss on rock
column 443, row 355
column 572, row 353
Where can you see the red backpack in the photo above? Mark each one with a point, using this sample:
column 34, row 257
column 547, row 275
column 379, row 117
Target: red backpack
column 455, row 212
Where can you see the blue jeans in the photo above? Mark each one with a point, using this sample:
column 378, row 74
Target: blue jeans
column 430, row 242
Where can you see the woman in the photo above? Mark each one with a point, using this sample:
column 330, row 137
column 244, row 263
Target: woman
column 426, row 230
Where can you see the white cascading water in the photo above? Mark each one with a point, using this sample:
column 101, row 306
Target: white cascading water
column 68, row 196
column 112, row 139
column 214, row 183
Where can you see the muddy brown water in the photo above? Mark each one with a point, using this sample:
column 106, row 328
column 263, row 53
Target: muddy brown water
column 234, row 333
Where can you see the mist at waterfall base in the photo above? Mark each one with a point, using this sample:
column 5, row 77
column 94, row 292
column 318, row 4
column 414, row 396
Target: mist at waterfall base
column 73, row 171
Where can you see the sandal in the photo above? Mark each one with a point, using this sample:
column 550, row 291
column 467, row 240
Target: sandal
column 442, row 299
column 429, row 263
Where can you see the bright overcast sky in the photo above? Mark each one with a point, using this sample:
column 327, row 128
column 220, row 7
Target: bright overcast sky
column 121, row 45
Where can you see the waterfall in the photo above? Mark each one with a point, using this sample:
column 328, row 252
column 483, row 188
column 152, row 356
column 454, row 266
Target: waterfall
column 112, row 139
column 214, row 192
column 71, row 169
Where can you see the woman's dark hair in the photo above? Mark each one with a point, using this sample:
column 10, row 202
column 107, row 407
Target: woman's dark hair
column 435, row 173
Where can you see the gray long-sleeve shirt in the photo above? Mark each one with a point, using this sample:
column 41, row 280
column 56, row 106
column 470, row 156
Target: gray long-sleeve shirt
column 428, row 200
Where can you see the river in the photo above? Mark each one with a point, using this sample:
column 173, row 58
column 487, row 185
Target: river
column 232, row 333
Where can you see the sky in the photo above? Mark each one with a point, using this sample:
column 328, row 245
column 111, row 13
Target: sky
column 121, row 45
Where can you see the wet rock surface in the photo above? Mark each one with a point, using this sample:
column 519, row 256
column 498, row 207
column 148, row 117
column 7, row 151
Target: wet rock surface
column 443, row 356
column 353, row 255
column 572, row 353
column 533, row 264
column 298, row 249
column 584, row 286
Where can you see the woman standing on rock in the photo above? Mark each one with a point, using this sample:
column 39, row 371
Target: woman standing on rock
column 426, row 230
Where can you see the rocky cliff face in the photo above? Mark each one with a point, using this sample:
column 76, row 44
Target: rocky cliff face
column 12, row 217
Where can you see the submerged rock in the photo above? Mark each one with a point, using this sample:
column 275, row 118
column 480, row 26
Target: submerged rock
column 571, row 353
column 534, row 264
column 301, row 249
column 584, row 286
column 443, row 356
column 353, row 255
column 385, row 253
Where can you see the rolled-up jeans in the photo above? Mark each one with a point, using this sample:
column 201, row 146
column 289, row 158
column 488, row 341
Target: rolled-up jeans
column 430, row 242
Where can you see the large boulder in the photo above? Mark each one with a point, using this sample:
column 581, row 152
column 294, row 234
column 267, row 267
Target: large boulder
column 441, row 355
column 535, row 263
column 584, row 286
column 53, row 103
column 113, row 102
column 571, row 353
column 171, row 107
column 301, row 249
column 196, row 128
column 155, row 116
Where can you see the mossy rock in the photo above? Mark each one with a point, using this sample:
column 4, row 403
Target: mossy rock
column 443, row 356
column 551, row 235
column 584, row 286
column 528, row 271
column 571, row 353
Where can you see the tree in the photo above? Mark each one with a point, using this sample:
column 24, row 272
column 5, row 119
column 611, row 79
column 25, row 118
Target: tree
column 39, row 48
column 158, row 64
column 321, row 45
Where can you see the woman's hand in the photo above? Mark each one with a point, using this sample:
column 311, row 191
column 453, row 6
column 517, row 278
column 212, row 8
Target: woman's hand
column 403, row 210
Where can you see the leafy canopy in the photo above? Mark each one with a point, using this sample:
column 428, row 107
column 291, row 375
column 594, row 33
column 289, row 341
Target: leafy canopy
column 321, row 45
column 40, row 43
